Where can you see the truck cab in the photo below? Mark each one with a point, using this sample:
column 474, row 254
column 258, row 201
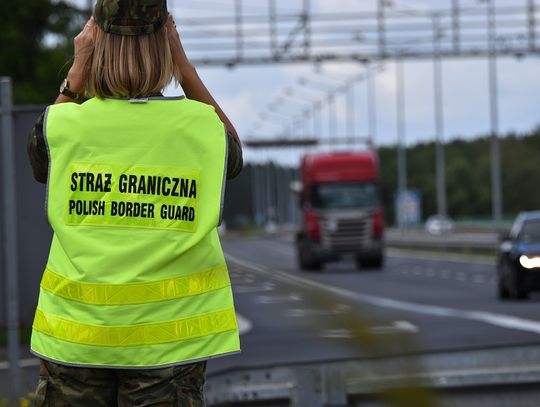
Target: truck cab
column 341, row 213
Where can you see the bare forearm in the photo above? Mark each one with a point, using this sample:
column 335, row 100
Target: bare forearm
column 196, row 90
column 83, row 49
column 191, row 83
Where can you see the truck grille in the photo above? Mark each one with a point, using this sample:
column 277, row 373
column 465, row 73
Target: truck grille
column 346, row 235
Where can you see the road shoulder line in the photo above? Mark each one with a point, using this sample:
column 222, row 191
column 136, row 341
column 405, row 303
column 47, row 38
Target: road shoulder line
column 490, row 318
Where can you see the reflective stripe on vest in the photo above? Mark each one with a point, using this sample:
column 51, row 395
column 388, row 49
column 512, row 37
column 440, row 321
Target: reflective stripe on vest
column 134, row 198
column 137, row 335
column 136, row 293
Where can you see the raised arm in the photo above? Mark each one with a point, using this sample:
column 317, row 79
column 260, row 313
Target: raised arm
column 191, row 82
column 83, row 50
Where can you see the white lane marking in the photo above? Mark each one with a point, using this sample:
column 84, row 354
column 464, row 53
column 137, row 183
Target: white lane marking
column 253, row 288
column 397, row 326
column 336, row 334
column 276, row 299
column 394, row 328
column 301, row 312
column 461, row 276
column 499, row 320
column 244, row 280
column 244, row 324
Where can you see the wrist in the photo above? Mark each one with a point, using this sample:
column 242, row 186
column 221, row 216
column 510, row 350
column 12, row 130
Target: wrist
column 76, row 80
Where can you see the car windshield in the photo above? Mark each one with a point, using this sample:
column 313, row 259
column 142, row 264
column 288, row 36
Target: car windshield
column 530, row 233
column 344, row 196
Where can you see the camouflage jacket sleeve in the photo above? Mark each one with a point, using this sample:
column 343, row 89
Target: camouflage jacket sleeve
column 39, row 160
column 37, row 151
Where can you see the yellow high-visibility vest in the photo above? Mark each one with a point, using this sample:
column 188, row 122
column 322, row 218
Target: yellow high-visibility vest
column 136, row 276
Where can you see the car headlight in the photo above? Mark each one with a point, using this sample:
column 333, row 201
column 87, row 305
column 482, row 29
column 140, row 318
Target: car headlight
column 529, row 262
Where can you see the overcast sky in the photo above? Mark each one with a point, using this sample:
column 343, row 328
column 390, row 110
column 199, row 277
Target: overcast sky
column 245, row 92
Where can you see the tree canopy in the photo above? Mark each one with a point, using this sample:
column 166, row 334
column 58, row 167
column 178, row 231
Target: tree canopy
column 36, row 46
column 468, row 175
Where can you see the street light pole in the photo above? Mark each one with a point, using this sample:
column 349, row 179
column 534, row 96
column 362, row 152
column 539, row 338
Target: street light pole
column 381, row 28
column 531, row 12
column 283, row 118
column 316, row 113
column 456, row 26
column 305, row 117
column 348, row 87
column 307, row 27
column 332, row 114
column 238, row 13
column 300, row 102
column 440, row 165
column 371, row 103
column 351, row 113
column 272, row 20
column 402, row 155
column 317, row 120
column 332, row 117
column 496, row 190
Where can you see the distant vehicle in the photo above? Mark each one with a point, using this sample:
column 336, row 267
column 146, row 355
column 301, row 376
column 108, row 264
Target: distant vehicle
column 439, row 225
column 341, row 212
column 518, row 265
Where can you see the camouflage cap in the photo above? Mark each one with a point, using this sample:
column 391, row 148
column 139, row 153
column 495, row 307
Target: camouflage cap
column 131, row 17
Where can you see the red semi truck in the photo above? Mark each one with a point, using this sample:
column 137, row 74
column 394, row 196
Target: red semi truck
column 341, row 211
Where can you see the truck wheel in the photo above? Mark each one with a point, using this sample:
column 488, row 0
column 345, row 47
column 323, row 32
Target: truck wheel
column 306, row 260
column 376, row 262
column 308, row 263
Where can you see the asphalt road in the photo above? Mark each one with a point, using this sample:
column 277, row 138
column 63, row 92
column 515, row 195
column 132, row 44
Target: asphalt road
column 442, row 308
column 416, row 304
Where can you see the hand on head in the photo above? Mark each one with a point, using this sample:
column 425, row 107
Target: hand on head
column 84, row 43
column 84, row 48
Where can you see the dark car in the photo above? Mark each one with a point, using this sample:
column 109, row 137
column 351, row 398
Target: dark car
column 518, row 265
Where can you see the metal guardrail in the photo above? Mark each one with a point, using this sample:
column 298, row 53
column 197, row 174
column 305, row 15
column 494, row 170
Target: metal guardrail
column 460, row 241
column 479, row 377
column 487, row 377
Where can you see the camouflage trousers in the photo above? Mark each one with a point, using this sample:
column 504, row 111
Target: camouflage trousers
column 66, row 386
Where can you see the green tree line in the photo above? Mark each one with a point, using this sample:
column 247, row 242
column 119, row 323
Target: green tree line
column 468, row 176
column 36, row 46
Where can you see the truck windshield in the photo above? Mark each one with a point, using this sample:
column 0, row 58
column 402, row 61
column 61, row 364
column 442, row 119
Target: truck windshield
column 344, row 196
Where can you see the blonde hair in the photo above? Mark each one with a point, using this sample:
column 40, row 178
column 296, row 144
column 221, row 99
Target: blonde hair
column 130, row 66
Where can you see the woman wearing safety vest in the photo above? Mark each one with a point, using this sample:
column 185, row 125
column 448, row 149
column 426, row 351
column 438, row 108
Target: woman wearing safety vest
column 135, row 296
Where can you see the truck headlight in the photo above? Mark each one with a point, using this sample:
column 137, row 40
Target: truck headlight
column 529, row 262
